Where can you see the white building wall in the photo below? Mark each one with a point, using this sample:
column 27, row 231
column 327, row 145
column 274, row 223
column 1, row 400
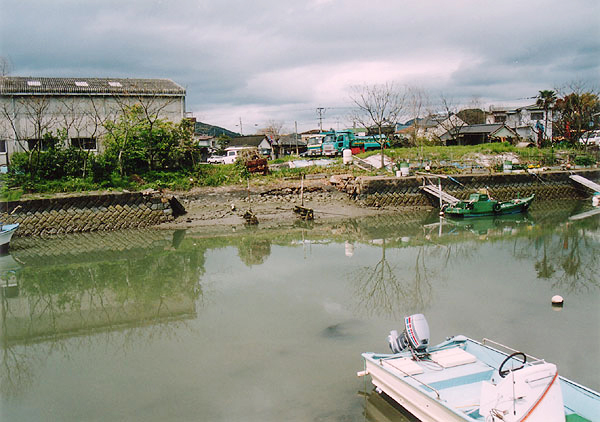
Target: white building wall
column 83, row 116
column 523, row 120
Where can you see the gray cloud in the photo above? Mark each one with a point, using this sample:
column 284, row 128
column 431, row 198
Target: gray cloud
column 279, row 60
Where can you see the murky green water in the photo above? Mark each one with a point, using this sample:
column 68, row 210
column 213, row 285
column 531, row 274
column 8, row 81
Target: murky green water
column 269, row 325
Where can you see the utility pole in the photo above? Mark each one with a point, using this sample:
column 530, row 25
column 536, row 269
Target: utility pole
column 241, row 130
column 320, row 111
column 296, row 136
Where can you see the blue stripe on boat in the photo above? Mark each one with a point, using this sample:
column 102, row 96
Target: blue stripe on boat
column 455, row 382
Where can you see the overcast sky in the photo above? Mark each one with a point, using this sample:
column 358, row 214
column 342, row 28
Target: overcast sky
column 278, row 60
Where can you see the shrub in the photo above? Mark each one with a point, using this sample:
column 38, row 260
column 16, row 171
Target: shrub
column 584, row 160
column 101, row 167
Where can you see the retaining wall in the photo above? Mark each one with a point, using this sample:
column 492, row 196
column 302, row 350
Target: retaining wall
column 87, row 213
column 407, row 191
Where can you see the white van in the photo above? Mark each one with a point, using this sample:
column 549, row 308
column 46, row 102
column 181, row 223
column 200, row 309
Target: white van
column 232, row 153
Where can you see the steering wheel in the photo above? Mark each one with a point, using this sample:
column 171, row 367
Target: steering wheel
column 504, row 373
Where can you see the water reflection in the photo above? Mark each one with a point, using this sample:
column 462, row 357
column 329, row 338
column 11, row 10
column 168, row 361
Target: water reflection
column 329, row 284
column 380, row 408
column 565, row 253
column 567, row 256
column 93, row 283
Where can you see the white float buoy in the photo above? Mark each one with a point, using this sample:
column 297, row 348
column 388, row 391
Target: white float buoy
column 557, row 300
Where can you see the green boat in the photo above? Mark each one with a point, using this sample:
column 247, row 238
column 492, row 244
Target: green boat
column 481, row 205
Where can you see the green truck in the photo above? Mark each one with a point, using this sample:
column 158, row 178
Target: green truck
column 337, row 141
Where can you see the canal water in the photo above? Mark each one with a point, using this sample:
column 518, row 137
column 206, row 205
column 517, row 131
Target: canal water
column 269, row 325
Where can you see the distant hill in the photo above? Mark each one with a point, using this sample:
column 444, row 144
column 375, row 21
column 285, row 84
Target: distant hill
column 210, row 130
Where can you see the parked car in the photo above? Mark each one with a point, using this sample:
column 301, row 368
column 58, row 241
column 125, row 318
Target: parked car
column 591, row 137
column 216, row 159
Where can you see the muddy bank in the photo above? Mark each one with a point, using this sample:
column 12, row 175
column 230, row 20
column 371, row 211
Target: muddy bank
column 272, row 204
column 344, row 196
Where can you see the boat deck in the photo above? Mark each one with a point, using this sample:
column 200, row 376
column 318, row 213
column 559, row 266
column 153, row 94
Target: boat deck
column 454, row 375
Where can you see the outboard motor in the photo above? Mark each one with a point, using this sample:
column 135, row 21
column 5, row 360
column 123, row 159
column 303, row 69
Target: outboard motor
column 415, row 335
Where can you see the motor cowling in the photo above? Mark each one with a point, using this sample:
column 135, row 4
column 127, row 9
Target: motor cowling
column 415, row 335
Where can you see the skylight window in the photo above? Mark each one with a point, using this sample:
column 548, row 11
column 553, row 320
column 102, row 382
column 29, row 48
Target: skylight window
column 34, row 83
column 81, row 83
column 115, row 84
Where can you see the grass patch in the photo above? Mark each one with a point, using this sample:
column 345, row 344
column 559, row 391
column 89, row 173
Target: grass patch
column 451, row 160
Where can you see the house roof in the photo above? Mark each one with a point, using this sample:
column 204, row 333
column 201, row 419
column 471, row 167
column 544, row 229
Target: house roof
column 482, row 128
column 290, row 140
column 510, row 110
column 311, row 132
column 32, row 85
column 489, row 129
column 246, row 141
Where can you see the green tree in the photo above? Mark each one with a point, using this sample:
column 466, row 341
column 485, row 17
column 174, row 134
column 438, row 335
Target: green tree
column 137, row 143
column 472, row 116
column 574, row 114
column 221, row 143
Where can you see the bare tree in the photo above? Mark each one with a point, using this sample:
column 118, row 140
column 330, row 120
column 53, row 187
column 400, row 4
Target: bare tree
column 378, row 105
column 6, row 66
column 418, row 102
column 273, row 131
column 449, row 121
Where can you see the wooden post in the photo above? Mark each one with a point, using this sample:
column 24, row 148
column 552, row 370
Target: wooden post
column 302, row 191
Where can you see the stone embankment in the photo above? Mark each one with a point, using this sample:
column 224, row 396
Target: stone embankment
column 342, row 196
column 104, row 212
column 408, row 191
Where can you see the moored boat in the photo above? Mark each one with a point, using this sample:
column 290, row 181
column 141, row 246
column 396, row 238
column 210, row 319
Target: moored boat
column 465, row 380
column 6, row 233
column 481, row 205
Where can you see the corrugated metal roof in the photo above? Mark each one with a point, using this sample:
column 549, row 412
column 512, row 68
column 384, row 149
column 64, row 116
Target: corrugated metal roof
column 22, row 85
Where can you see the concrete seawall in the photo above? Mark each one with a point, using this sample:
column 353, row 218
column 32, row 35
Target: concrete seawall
column 407, row 191
column 117, row 211
column 73, row 214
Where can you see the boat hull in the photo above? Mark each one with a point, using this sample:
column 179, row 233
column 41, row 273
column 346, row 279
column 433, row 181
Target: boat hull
column 424, row 407
column 6, row 234
column 514, row 206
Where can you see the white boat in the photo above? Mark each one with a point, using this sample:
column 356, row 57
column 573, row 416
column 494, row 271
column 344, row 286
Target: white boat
column 6, row 233
column 465, row 380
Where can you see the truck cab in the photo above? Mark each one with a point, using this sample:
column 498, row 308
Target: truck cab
column 335, row 142
column 315, row 145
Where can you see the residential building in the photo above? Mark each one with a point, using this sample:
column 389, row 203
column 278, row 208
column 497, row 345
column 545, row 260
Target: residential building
column 529, row 122
column 261, row 142
column 431, row 127
column 289, row 144
column 30, row 107
column 479, row 134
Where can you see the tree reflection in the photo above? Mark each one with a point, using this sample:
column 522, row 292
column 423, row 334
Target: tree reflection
column 544, row 267
column 64, row 299
column 567, row 254
column 378, row 288
column 388, row 289
column 254, row 251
